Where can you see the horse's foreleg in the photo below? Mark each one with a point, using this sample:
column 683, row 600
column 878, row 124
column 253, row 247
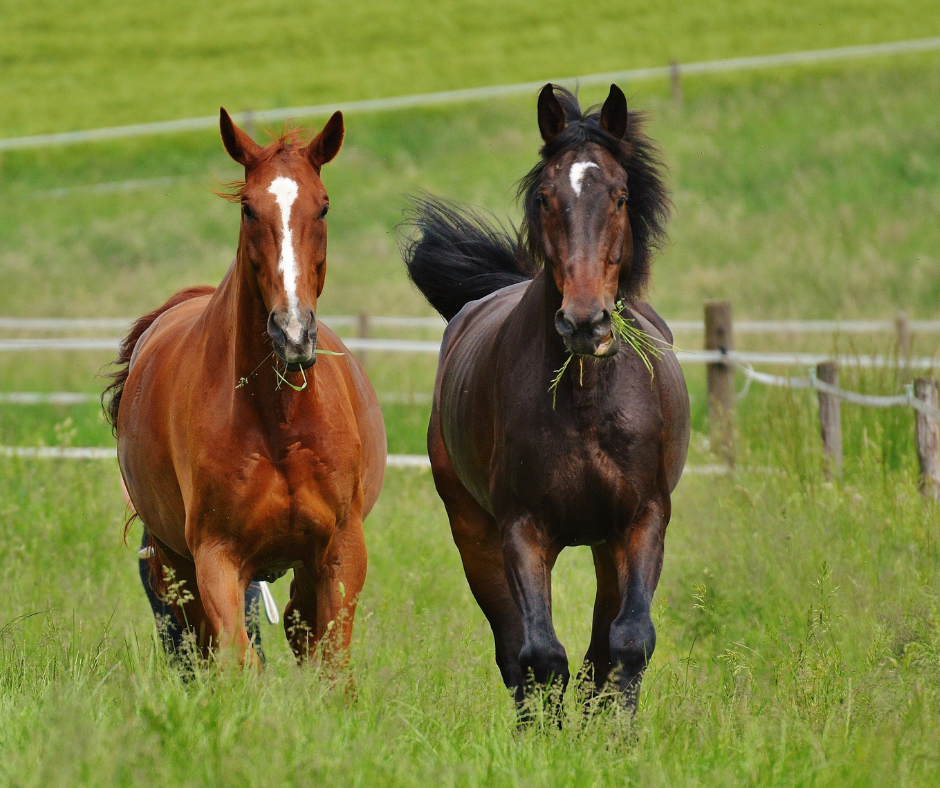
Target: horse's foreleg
column 639, row 561
column 222, row 594
column 528, row 558
column 597, row 660
column 338, row 589
column 323, row 599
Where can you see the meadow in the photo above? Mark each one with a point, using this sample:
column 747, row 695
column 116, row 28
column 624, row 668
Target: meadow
column 798, row 618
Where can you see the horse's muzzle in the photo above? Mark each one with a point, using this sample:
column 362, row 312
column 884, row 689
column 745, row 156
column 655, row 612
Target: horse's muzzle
column 294, row 339
column 588, row 336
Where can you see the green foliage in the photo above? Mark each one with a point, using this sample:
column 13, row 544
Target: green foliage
column 631, row 335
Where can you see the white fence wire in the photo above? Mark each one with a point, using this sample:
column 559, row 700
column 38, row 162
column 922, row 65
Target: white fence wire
column 419, row 461
column 907, row 399
column 122, row 324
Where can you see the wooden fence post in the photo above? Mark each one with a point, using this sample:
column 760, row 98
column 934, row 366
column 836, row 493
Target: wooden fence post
column 903, row 325
column 928, row 440
column 362, row 332
column 675, row 78
column 830, row 419
column 721, row 396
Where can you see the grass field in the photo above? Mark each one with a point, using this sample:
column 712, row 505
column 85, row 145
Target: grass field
column 102, row 63
column 798, row 630
column 798, row 620
column 799, row 194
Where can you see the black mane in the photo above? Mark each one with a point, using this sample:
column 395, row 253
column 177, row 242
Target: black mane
column 648, row 203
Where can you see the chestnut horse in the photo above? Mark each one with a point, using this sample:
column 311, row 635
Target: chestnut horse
column 242, row 457
column 522, row 477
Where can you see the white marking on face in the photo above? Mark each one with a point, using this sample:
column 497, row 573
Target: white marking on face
column 577, row 174
column 285, row 192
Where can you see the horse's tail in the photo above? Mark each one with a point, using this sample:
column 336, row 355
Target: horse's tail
column 460, row 255
column 155, row 564
column 119, row 377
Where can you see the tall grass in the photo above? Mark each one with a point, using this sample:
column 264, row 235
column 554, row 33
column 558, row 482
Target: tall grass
column 798, row 628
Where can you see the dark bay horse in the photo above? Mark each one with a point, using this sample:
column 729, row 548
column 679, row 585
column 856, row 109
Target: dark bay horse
column 521, row 478
column 242, row 457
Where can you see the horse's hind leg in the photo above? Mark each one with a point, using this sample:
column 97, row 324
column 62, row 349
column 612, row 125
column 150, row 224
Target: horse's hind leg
column 477, row 538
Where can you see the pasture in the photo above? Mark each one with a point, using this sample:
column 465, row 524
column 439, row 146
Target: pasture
column 798, row 619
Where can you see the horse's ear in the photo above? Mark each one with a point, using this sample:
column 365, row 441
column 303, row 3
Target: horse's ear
column 326, row 144
column 614, row 117
column 551, row 115
column 239, row 145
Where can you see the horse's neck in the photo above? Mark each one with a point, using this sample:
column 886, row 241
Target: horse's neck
column 234, row 318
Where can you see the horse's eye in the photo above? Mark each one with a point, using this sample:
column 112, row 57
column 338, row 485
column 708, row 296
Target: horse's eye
column 621, row 201
column 325, row 211
column 247, row 212
column 543, row 202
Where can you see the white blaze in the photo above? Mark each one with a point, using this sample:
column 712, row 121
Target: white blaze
column 285, row 192
column 577, row 174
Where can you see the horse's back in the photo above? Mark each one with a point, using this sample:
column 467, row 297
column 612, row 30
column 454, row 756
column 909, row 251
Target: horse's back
column 169, row 326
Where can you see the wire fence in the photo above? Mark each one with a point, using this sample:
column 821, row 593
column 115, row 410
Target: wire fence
column 122, row 324
column 719, row 355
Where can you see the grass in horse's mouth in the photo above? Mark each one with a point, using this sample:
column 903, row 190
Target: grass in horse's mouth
column 244, row 380
column 642, row 343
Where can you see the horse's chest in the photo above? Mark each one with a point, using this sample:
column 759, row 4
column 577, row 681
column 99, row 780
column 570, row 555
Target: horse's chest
column 284, row 503
column 584, row 479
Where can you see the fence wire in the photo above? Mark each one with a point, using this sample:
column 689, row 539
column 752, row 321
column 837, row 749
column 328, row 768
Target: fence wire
column 907, row 399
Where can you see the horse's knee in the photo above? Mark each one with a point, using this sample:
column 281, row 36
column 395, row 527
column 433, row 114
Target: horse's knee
column 547, row 662
column 631, row 646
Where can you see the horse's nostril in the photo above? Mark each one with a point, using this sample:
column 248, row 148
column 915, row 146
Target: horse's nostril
column 600, row 323
column 564, row 324
column 274, row 329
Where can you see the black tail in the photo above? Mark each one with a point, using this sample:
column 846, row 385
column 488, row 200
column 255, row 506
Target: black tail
column 459, row 255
